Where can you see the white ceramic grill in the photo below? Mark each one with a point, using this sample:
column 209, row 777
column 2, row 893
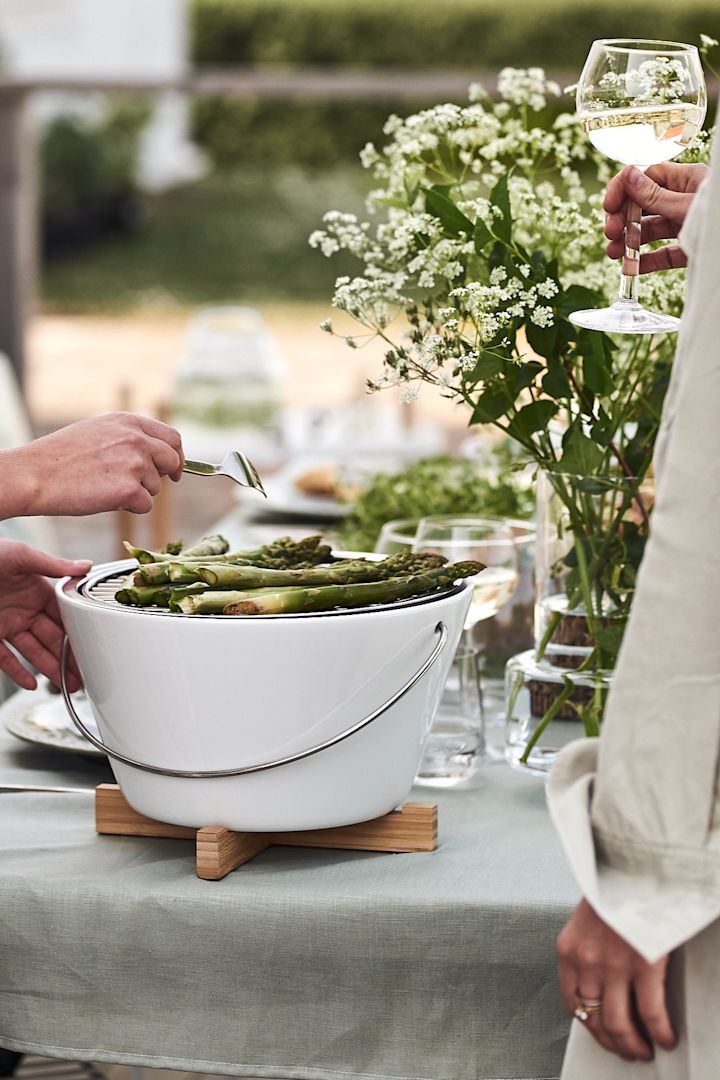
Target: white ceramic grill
column 262, row 723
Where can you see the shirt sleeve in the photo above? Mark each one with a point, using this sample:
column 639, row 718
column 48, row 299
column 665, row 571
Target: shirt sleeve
column 637, row 810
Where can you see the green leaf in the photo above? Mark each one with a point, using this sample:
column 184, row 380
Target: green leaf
column 556, row 383
column 500, row 198
column 481, row 236
column 597, row 363
column 541, row 339
column 601, row 429
column 531, row 418
column 491, row 405
column 580, row 454
column 411, row 182
column 487, row 366
column 520, row 376
column 575, row 298
column 609, row 637
column 444, row 209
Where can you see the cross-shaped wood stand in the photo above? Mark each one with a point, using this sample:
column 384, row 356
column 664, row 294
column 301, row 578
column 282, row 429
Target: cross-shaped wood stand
column 413, row 827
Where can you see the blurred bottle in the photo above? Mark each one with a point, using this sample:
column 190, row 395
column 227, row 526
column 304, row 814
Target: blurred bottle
column 228, row 387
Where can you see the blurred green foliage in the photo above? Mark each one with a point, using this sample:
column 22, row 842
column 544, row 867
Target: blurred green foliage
column 88, row 169
column 476, row 35
column 240, row 235
column 469, row 35
column 437, row 485
column 271, row 133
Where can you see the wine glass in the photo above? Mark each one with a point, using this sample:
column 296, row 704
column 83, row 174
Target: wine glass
column 397, row 535
column 456, row 744
column 640, row 103
column 483, row 540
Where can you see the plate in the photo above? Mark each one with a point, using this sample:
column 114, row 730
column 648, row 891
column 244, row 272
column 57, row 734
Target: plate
column 41, row 717
column 284, row 497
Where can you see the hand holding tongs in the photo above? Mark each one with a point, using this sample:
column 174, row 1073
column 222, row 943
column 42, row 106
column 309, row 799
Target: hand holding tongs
column 235, row 465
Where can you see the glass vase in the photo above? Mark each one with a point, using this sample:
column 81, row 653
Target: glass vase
column 591, row 534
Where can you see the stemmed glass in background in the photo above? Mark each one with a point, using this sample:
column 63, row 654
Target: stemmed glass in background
column 456, row 745
column 483, row 540
column 640, row 103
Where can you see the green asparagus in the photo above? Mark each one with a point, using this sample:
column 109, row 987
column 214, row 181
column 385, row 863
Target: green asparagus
column 280, row 554
column 340, row 573
column 327, row 597
column 154, row 595
column 215, row 602
column 209, row 545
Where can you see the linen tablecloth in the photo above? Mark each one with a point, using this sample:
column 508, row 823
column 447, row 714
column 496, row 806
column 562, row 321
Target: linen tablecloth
column 302, row 964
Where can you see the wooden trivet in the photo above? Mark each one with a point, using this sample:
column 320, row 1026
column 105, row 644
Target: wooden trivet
column 413, row 827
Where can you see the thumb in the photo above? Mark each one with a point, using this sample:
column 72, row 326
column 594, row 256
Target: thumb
column 38, row 562
column 672, row 205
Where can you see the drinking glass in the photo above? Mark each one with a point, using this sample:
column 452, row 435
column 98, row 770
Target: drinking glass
column 456, row 744
column 483, row 540
column 398, row 535
column 640, row 103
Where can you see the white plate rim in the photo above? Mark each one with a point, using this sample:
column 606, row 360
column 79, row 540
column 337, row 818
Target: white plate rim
column 16, row 723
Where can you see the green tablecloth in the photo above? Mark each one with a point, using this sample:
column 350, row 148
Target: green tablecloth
column 302, row 964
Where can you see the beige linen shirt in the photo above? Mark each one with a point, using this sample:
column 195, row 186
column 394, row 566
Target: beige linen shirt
column 638, row 810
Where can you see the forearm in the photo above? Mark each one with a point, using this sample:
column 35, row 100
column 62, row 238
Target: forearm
column 20, row 487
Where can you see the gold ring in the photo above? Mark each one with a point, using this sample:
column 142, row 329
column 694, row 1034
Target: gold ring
column 585, row 1007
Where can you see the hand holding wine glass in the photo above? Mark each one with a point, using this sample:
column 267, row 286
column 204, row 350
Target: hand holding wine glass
column 640, row 103
column 665, row 194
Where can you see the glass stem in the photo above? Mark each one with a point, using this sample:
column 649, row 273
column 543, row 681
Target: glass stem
column 631, row 258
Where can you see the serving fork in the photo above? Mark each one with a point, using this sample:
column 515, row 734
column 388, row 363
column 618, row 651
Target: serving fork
column 235, row 465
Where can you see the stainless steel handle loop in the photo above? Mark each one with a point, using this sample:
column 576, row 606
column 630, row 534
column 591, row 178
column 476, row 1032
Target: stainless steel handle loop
column 440, row 630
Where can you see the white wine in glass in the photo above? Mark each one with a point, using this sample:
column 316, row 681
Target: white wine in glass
column 640, row 103
column 484, row 540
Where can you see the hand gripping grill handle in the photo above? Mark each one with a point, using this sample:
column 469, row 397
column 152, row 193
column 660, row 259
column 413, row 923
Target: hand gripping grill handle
column 245, row 770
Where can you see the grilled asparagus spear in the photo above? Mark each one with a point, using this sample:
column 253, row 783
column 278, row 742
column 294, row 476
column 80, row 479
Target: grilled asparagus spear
column 214, row 602
column 281, row 554
column 223, row 576
column 209, row 545
column 327, row 597
column 154, row 595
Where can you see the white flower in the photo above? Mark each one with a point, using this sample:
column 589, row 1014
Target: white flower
column 326, row 325
column 409, row 395
column 453, row 300
column 547, row 288
column 369, row 156
column 542, row 316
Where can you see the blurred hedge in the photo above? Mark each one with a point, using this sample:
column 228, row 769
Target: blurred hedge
column 475, row 35
column 271, row 133
column 469, row 35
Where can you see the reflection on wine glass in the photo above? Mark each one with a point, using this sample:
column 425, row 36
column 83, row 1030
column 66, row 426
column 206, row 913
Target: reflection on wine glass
column 640, row 103
column 483, row 540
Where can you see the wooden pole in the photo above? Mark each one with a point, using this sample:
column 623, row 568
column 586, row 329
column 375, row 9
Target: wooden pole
column 18, row 225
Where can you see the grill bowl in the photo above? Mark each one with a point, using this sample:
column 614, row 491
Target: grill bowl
column 205, row 693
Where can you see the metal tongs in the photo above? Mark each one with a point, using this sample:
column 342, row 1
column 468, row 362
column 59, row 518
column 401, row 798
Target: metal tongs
column 235, row 465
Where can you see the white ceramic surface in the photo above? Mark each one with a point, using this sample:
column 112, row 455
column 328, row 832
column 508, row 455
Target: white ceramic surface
column 205, row 692
column 37, row 716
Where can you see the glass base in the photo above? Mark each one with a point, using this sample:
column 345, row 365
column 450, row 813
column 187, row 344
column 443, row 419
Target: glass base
column 454, row 752
column 532, row 690
column 625, row 317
